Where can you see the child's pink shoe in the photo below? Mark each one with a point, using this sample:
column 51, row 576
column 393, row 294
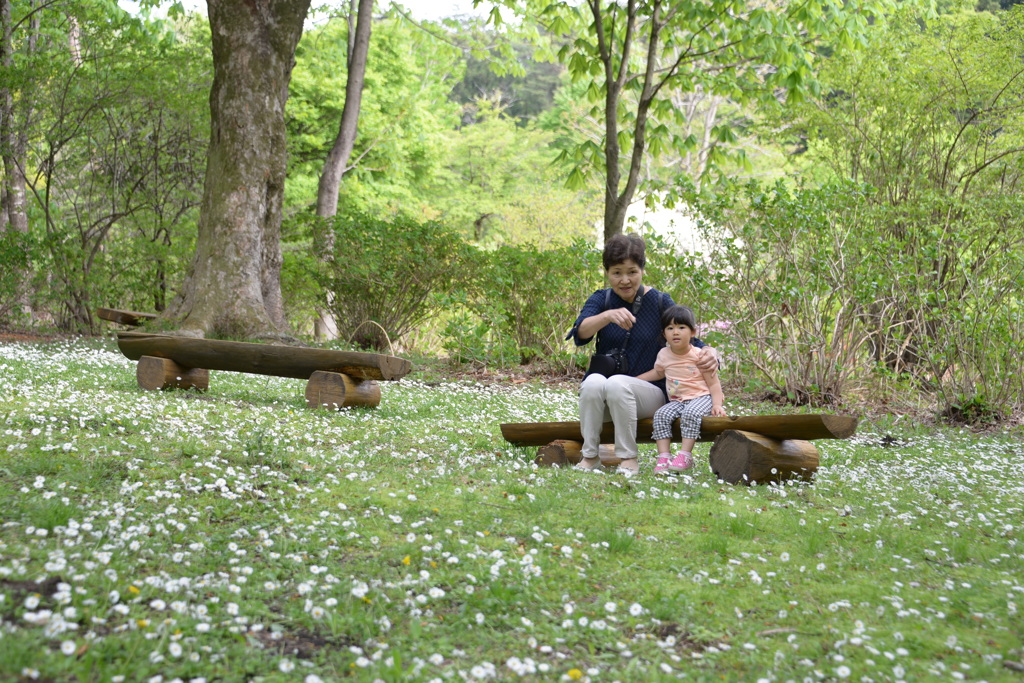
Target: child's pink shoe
column 662, row 466
column 682, row 462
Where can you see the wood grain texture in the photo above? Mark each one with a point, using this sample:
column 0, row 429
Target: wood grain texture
column 334, row 391
column 806, row 427
column 261, row 359
column 564, row 453
column 741, row 457
column 132, row 318
column 154, row 374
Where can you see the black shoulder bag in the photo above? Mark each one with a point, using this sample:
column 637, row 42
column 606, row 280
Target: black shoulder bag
column 614, row 363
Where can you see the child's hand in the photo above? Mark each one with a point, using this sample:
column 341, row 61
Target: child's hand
column 718, row 411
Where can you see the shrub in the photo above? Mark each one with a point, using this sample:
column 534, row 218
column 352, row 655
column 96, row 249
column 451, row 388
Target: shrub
column 522, row 303
column 383, row 278
column 785, row 271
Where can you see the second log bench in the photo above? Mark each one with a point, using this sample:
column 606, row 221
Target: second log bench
column 746, row 449
column 129, row 318
column 334, row 379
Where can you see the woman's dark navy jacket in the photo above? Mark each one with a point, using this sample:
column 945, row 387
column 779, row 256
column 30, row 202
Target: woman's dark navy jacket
column 645, row 340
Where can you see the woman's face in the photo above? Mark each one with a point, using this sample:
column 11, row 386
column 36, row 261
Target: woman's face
column 624, row 278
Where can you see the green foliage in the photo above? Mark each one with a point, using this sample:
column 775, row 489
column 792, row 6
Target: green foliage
column 16, row 251
column 645, row 66
column 522, row 302
column 930, row 117
column 498, row 185
column 403, row 119
column 934, row 106
column 972, row 410
column 816, row 290
column 490, row 178
column 526, row 96
column 789, row 276
column 114, row 157
column 383, row 278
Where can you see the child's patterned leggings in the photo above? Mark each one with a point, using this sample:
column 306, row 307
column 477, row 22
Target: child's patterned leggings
column 689, row 414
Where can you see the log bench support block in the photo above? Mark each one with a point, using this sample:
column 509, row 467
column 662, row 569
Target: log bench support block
column 155, row 373
column 740, row 457
column 334, row 391
column 566, row 453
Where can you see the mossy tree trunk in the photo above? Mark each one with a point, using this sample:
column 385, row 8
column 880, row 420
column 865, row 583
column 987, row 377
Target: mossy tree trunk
column 12, row 146
column 234, row 286
column 15, row 117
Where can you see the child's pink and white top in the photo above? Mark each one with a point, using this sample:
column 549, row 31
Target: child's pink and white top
column 683, row 379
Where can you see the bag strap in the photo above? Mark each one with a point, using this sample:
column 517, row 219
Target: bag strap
column 637, row 301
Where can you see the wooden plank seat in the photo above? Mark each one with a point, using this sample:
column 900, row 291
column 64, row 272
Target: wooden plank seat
column 130, row 318
column 334, row 379
column 747, row 448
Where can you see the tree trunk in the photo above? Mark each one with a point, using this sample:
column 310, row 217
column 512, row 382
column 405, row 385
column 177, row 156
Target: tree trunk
column 617, row 200
column 614, row 79
column 14, row 137
column 360, row 23
column 234, row 287
column 14, row 122
column 337, row 159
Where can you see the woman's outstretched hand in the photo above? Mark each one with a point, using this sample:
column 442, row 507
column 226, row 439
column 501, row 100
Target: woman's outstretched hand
column 621, row 317
column 707, row 361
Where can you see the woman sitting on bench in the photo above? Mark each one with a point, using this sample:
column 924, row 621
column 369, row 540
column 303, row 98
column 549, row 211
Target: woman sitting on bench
column 626, row 318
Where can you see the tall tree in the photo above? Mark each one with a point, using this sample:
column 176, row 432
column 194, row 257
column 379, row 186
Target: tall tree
column 234, row 287
column 360, row 24
column 15, row 111
column 636, row 53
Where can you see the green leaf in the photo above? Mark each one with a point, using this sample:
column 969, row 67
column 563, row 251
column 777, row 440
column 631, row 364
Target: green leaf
column 577, row 180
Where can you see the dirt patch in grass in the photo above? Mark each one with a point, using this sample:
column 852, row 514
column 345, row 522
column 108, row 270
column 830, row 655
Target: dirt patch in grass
column 9, row 337
column 302, row 643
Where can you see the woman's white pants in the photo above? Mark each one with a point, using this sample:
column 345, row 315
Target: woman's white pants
column 620, row 399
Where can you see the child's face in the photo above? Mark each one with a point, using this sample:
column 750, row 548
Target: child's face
column 677, row 336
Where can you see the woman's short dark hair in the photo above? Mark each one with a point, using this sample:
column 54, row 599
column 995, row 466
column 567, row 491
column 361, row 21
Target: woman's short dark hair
column 621, row 248
column 678, row 315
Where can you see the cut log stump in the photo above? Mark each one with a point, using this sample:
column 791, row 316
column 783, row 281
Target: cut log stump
column 740, row 457
column 155, row 373
column 566, row 453
column 334, row 391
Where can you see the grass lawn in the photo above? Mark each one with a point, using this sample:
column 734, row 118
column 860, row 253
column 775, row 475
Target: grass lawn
column 236, row 535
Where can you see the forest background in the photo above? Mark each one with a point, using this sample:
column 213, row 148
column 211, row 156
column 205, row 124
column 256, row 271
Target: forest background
column 853, row 220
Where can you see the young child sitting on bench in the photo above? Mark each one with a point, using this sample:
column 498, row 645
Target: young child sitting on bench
column 692, row 393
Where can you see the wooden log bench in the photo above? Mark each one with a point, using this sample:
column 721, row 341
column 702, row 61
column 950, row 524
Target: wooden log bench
column 334, row 379
column 746, row 449
column 129, row 318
